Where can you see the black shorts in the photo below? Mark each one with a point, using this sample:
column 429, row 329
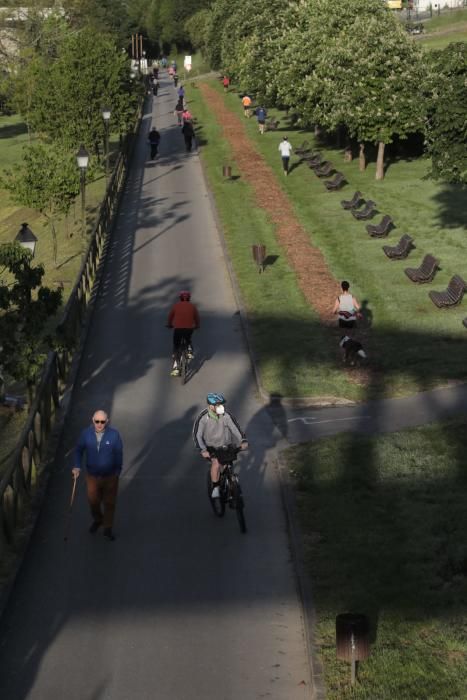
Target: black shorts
column 179, row 334
column 346, row 324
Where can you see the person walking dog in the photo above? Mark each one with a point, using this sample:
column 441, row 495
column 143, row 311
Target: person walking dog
column 103, row 448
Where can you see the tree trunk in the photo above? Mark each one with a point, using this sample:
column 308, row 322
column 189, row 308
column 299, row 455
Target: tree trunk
column 339, row 136
column 317, row 130
column 348, row 155
column 54, row 240
column 380, row 161
column 361, row 157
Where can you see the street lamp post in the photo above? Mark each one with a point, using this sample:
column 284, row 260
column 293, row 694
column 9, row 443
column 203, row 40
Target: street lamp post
column 82, row 159
column 106, row 112
column 26, row 238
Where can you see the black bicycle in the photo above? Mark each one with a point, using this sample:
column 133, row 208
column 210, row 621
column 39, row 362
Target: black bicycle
column 229, row 485
column 184, row 355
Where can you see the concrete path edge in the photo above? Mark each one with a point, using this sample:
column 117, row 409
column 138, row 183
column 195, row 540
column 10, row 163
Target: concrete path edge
column 286, row 489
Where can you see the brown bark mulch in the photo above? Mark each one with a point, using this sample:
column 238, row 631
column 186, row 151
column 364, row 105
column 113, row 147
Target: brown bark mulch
column 315, row 280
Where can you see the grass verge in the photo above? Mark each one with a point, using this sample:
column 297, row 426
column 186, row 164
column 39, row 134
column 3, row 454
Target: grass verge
column 413, row 345
column 383, row 520
column 287, row 337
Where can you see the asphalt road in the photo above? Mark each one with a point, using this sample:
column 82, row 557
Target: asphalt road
column 379, row 416
column 181, row 606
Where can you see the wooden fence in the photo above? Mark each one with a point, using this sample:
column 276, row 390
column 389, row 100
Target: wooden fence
column 20, row 481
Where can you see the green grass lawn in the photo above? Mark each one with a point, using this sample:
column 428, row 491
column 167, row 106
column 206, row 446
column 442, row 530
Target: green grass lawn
column 442, row 30
column 287, row 337
column 384, row 521
column 412, row 344
column 446, row 20
column 13, row 138
column 433, row 41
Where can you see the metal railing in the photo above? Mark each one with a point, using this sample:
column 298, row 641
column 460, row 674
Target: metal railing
column 20, row 482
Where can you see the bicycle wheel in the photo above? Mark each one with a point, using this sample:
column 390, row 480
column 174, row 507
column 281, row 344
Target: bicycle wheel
column 217, row 504
column 183, row 366
column 237, row 500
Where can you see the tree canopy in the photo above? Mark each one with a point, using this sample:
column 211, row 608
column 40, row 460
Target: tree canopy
column 447, row 113
column 66, row 93
column 25, row 306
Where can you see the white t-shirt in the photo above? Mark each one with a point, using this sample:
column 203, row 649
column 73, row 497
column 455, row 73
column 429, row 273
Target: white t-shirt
column 285, row 149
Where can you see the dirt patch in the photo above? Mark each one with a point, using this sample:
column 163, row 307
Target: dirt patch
column 315, row 280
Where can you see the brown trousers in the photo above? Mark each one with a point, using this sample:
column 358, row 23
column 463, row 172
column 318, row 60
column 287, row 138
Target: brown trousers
column 102, row 491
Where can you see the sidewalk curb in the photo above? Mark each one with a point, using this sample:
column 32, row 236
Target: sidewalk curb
column 303, row 581
column 295, row 541
column 46, row 469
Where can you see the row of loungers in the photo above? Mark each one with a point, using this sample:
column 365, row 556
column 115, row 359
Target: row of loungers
column 363, row 210
column 452, row 296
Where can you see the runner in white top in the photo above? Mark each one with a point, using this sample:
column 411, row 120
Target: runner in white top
column 285, row 149
column 346, row 307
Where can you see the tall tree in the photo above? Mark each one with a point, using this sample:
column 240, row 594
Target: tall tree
column 309, row 26
column 197, row 29
column 47, row 180
column 251, row 39
column 107, row 16
column 68, row 92
column 446, row 132
column 220, row 12
column 368, row 78
column 25, row 306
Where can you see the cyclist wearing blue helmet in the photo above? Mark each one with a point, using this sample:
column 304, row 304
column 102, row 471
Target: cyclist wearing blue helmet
column 216, row 427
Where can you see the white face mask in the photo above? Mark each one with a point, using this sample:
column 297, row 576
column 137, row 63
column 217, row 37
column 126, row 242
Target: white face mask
column 220, row 410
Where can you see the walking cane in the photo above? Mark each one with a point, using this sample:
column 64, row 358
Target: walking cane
column 68, row 519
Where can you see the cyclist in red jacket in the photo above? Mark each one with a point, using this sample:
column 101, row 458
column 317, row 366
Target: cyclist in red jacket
column 184, row 319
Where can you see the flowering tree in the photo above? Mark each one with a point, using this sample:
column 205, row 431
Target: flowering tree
column 446, row 132
column 369, row 78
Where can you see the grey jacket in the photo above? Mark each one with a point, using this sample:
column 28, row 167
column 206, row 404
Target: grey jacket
column 216, row 431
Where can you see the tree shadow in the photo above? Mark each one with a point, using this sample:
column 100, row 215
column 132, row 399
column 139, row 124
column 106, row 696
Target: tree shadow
column 9, row 131
column 452, row 211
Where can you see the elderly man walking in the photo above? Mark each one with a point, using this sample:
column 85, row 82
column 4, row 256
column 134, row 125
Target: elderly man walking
column 103, row 448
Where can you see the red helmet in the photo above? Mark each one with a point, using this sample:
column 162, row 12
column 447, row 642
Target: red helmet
column 185, row 296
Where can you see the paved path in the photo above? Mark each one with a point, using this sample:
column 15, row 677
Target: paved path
column 181, row 606
column 381, row 416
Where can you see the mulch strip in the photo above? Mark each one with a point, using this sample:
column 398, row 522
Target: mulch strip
column 315, row 280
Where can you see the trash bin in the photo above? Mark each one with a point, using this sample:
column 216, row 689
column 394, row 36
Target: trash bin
column 352, row 639
column 227, row 171
column 259, row 256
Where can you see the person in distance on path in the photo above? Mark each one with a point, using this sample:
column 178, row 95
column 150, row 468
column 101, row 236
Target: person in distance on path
column 215, row 427
column 179, row 109
column 184, row 319
column 261, row 115
column 285, row 149
column 187, row 115
column 246, row 102
column 188, row 134
column 154, row 138
column 103, row 448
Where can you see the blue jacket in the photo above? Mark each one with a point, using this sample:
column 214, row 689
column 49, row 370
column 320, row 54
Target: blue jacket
column 105, row 461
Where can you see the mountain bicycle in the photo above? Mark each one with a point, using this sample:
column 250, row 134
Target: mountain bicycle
column 229, row 485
